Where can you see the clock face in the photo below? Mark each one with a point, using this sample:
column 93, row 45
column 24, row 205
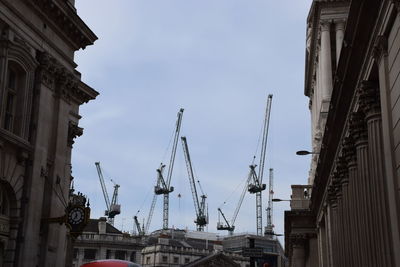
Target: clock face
column 76, row 215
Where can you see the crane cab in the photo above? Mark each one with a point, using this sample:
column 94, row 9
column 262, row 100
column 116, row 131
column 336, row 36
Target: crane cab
column 255, row 189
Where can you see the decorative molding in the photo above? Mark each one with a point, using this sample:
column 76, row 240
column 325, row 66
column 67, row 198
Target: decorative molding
column 60, row 80
column 73, row 132
column 325, row 25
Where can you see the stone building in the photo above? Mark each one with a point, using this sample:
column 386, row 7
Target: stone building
column 100, row 240
column 40, row 95
column 175, row 247
column 348, row 215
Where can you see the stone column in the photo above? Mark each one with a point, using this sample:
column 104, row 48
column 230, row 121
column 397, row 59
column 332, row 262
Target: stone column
column 331, row 226
column 339, row 28
column 343, row 173
column 298, row 250
column 370, row 103
column 349, row 154
column 359, row 131
column 325, row 61
column 339, row 219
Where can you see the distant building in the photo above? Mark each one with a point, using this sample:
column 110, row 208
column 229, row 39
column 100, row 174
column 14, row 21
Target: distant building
column 40, row 95
column 272, row 251
column 348, row 214
column 176, row 247
column 101, row 240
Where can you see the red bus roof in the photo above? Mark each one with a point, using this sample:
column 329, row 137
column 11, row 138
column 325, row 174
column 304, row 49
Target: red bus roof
column 110, row 263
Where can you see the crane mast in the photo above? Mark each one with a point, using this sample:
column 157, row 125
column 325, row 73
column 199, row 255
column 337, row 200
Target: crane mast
column 163, row 185
column 269, row 228
column 112, row 207
column 200, row 207
column 256, row 187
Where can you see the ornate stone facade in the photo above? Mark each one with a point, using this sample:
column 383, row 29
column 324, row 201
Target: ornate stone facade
column 354, row 209
column 40, row 95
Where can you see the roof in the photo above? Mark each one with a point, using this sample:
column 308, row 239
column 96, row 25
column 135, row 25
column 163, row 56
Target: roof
column 93, row 226
column 218, row 259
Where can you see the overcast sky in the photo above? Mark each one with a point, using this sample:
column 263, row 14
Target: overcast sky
column 217, row 59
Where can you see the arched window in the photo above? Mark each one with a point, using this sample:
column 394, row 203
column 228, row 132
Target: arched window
column 13, row 98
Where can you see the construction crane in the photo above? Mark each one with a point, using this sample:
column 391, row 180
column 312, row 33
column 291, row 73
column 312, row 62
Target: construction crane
column 269, row 229
column 256, row 186
column 231, row 226
column 163, row 185
column 200, row 207
column 139, row 228
column 112, row 207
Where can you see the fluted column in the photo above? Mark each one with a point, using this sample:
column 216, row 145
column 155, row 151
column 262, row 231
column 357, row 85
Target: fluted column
column 326, row 64
column 339, row 28
column 343, row 173
column 339, row 219
column 359, row 131
column 349, row 154
column 370, row 103
column 331, row 226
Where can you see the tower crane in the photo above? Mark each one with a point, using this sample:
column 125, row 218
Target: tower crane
column 231, row 226
column 269, row 229
column 163, row 185
column 112, row 207
column 256, row 186
column 200, row 207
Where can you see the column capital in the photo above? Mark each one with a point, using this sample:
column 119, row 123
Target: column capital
column 380, row 48
column 396, row 4
column 325, row 25
column 340, row 24
column 349, row 151
column 298, row 240
column 358, row 127
column 369, row 98
column 342, row 169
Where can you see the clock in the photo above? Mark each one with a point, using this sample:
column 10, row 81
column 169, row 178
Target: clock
column 76, row 215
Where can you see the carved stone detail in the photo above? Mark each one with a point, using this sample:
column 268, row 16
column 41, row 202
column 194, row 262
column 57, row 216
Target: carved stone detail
column 349, row 151
column 358, row 127
column 73, row 132
column 369, row 98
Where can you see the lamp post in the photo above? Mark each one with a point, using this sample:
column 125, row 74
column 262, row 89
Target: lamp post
column 279, row 200
column 305, row 152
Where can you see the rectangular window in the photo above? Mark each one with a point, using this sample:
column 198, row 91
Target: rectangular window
column 176, row 260
column 164, row 259
column 120, row 254
column 187, row 260
column 147, row 260
column 75, row 253
column 89, row 254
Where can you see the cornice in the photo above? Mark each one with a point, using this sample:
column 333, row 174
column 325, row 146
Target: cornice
column 66, row 20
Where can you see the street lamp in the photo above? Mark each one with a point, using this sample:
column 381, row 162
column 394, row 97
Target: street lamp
column 305, row 152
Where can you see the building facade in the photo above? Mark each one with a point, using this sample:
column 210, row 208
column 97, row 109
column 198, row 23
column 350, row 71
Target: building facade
column 40, row 95
column 175, row 247
column 100, row 240
column 349, row 212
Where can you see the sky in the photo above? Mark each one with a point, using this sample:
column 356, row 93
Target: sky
column 217, row 59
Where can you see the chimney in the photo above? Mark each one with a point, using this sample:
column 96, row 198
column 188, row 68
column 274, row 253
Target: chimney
column 102, row 225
